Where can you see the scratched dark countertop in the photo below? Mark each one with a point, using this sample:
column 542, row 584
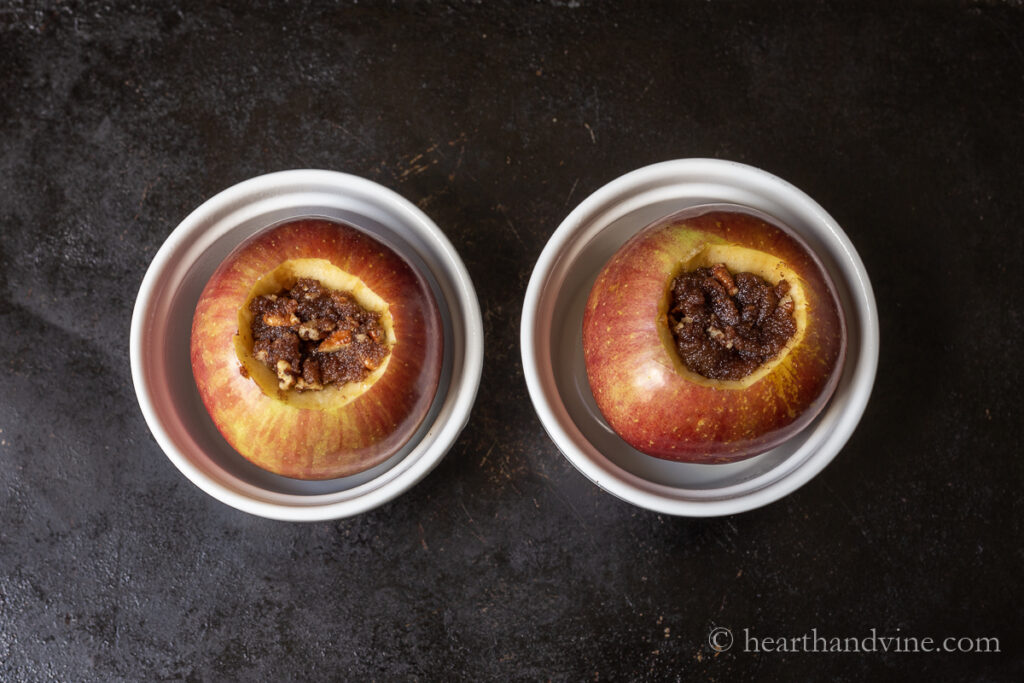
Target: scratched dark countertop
column 904, row 120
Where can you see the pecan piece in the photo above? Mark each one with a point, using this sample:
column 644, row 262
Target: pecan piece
column 335, row 342
column 722, row 274
column 284, row 375
column 279, row 320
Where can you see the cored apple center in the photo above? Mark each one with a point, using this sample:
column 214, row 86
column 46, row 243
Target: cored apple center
column 726, row 325
column 313, row 335
column 731, row 314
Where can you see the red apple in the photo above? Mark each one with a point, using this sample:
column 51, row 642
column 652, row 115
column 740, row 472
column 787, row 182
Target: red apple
column 641, row 384
column 339, row 430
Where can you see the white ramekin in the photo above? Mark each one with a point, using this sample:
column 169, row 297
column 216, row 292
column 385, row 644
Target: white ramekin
column 161, row 325
column 552, row 350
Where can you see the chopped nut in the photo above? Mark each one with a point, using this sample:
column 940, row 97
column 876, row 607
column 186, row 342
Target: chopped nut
column 278, row 320
column 335, row 342
column 284, row 375
column 722, row 274
column 309, row 332
column 720, row 337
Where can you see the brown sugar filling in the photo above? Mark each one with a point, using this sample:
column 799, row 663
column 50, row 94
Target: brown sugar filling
column 313, row 337
column 726, row 326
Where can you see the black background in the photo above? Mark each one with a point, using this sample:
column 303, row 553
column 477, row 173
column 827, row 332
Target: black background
column 904, row 120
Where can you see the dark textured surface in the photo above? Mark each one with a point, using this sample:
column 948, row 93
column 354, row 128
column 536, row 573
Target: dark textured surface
column 905, row 120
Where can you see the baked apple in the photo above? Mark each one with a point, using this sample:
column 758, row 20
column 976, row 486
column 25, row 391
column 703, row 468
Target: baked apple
column 711, row 338
column 316, row 349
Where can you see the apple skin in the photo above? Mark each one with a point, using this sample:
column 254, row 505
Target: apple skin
column 318, row 443
column 638, row 380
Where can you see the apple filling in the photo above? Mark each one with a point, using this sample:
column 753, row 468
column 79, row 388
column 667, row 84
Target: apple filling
column 311, row 353
column 726, row 326
column 312, row 336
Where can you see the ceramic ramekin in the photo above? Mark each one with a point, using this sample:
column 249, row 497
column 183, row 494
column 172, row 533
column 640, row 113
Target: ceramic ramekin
column 162, row 320
column 551, row 338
